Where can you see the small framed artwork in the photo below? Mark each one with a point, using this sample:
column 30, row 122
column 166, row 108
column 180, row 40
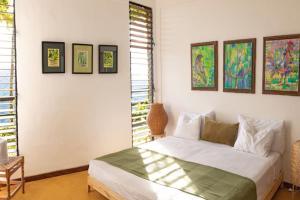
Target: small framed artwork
column 239, row 66
column 108, row 59
column 82, row 58
column 281, row 65
column 53, row 57
column 204, row 69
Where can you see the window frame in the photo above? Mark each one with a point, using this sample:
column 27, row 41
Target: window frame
column 12, row 3
column 151, row 64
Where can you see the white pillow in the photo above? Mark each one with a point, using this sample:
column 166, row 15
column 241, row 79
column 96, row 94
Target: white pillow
column 189, row 125
column 276, row 126
column 254, row 141
column 211, row 115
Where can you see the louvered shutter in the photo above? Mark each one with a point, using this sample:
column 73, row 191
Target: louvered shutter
column 8, row 97
column 141, row 60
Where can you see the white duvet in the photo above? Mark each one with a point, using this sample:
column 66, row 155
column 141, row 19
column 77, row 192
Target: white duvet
column 262, row 171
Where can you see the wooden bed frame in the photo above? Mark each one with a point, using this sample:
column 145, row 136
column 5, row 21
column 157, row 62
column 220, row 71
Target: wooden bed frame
column 111, row 195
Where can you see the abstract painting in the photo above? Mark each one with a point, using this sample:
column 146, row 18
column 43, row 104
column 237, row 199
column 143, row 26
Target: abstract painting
column 53, row 57
column 281, row 65
column 204, row 60
column 108, row 59
column 239, row 66
column 82, row 58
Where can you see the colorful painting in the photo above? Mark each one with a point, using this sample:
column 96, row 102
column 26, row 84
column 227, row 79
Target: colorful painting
column 204, row 66
column 281, row 65
column 82, row 58
column 53, row 57
column 108, row 59
column 239, row 66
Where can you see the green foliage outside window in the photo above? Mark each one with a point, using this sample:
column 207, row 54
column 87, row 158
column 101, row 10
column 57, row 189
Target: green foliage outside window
column 4, row 16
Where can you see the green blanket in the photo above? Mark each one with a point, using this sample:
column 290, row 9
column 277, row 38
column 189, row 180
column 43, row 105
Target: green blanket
column 203, row 181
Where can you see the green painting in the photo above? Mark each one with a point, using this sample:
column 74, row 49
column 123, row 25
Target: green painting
column 239, row 65
column 281, row 67
column 108, row 59
column 53, row 57
column 82, row 58
column 204, row 66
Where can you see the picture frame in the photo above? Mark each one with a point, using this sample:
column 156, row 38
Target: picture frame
column 108, row 59
column 53, row 57
column 239, row 65
column 82, row 58
column 204, row 66
column 281, row 65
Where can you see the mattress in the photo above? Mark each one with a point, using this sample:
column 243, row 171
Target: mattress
column 263, row 171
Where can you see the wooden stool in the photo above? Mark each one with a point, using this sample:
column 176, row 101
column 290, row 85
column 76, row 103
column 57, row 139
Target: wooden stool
column 6, row 171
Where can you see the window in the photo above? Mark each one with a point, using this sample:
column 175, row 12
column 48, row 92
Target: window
column 141, row 63
column 8, row 99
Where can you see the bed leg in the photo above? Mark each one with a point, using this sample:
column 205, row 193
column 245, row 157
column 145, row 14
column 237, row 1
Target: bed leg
column 89, row 189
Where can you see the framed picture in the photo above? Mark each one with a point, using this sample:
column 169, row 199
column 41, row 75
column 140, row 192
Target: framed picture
column 53, row 57
column 281, row 65
column 204, row 61
column 108, row 59
column 239, row 66
column 82, row 58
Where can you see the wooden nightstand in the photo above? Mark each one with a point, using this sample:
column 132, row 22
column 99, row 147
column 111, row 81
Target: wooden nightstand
column 6, row 171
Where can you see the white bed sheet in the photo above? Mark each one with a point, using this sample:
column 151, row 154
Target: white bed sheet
column 262, row 171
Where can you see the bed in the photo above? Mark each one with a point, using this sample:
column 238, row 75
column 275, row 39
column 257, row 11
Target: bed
column 116, row 184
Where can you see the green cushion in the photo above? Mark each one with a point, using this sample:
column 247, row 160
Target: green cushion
column 219, row 132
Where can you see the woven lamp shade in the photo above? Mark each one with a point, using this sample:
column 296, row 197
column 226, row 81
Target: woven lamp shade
column 295, row 162
column 157, row 119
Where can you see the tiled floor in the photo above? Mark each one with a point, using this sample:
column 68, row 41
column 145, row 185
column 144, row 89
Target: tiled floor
column 74, row 187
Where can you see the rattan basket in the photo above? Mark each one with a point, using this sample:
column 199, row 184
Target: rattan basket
column 157, row 119
column 295, row 162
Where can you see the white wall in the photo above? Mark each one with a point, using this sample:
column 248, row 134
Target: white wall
column 65, row 119
column 183, row 22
